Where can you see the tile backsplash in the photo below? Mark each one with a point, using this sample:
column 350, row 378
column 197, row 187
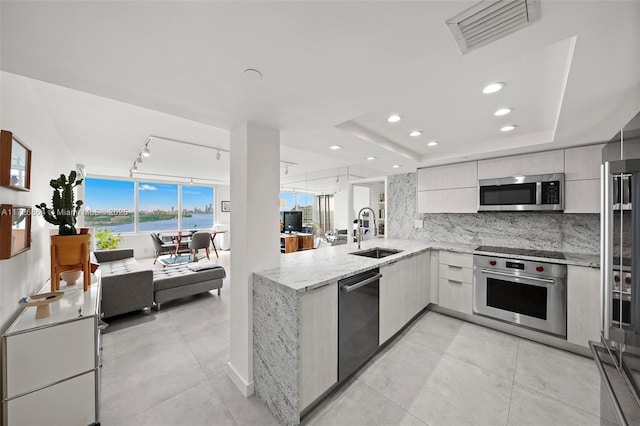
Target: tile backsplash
column 572, row 233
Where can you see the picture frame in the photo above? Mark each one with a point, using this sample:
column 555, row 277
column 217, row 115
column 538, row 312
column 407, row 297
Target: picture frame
column 225, row 206
column 15, row 162
column 15, row 230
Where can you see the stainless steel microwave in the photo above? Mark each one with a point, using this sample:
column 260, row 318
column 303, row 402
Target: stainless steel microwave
column 522, row 193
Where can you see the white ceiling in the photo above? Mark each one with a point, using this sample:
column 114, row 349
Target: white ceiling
column 175, row 69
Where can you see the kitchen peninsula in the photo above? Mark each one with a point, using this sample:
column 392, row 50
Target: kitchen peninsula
column 296, row 347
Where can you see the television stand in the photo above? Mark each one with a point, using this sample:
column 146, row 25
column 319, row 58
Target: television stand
column 290, row 243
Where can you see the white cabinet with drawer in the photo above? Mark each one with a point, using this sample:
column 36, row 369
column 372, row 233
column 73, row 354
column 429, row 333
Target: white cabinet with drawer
column 582, row 179
column 455, row 279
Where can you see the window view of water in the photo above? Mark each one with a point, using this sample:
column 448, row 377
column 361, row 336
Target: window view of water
column 196, row 221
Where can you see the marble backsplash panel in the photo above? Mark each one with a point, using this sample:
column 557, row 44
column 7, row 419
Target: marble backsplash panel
column 574, row 233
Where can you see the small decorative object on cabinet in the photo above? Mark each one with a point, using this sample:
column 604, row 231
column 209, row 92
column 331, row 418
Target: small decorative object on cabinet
column 70, row 277
column 15, row 162
column 51, row 366
column 15, row 230
column 42, row 302
column 69, row 250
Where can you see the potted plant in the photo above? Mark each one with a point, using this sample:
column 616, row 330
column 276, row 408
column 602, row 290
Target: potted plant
column 107, row 240
column 69, row 250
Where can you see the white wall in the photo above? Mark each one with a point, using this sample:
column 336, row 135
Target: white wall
column 360, row 198
column 341, row 210
column 22, row 113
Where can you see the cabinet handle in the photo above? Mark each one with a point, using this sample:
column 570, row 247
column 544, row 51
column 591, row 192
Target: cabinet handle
column 455, row 266
column 455, row 282
column 349, row 288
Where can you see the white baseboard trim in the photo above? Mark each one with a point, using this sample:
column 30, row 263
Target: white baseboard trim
column 246, row 388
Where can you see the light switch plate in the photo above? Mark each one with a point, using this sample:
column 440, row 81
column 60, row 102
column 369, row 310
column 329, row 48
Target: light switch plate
column 419, row 224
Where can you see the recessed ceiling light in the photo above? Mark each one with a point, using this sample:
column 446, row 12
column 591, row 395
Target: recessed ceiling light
column 334, row 147
column 432, row 143
column 394, row 118
column 492, row 88
column 396, row 166
column 371, row 157
column 507, row 128
column 502, row 111
column 415, row 133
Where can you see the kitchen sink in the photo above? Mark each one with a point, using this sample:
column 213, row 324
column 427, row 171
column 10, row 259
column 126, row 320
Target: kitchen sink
column 376, row 253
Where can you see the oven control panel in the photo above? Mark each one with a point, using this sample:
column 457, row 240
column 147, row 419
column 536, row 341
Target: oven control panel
column 518, row 266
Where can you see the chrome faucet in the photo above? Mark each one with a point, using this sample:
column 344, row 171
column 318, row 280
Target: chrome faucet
column 375, row 227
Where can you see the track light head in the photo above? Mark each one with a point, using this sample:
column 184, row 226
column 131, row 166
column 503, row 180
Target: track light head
column 134, row 168
column 218, row 155
column 146, row 152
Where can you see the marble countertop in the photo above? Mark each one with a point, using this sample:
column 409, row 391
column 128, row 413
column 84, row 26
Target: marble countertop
column 309, row 269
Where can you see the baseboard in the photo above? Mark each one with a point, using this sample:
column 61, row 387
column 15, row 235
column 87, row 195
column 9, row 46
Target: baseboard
column 246, row 388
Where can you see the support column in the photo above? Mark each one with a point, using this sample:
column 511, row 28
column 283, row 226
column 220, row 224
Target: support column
column 255, row 234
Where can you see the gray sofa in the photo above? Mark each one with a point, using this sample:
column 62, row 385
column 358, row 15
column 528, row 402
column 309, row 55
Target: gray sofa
column 127, row 287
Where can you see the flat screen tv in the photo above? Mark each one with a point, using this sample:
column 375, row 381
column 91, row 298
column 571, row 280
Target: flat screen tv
column 292, row 221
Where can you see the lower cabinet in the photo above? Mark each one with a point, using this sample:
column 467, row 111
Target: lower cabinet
column 583, row 305
column 318, row 342
column 404, row 291
column 51, row 366
column 455, row 281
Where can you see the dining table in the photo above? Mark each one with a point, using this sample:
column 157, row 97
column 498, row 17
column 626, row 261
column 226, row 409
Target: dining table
column 177, row 236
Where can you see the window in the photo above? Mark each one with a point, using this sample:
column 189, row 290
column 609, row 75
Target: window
column 109, row 204
column 158, row 206
column 197, row 207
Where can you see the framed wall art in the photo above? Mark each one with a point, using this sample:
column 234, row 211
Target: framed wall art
column 15, row 162
column 15, row 230
column 225, row 206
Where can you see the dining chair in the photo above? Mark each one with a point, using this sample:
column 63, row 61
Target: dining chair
column 200, row 240
column 160, row 247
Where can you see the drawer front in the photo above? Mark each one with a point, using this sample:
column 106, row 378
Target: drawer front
column 456, row 273
column 463, row 260
column 456, row 296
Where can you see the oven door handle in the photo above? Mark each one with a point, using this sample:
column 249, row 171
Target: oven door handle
column 349, row 288
column 544, row 280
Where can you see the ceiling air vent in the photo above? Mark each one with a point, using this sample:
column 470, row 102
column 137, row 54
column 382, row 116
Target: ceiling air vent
column 491, row 20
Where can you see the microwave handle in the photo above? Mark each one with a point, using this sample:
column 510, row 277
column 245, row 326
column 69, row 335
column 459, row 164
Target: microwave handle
column 538, row 193
column 616, row 190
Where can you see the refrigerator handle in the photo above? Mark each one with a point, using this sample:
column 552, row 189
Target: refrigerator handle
column 606, row 247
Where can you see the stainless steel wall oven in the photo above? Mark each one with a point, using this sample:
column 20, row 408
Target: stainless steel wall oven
column 527, row 293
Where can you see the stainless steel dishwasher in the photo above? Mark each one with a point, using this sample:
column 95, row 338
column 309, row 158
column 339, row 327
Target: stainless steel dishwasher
column 358, row 320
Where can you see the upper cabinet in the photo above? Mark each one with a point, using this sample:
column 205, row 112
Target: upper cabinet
column 448, row 189
column 454, row 188
column 582, row 179
column 540, row 163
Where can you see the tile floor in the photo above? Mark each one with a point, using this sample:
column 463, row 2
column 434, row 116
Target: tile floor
column 168, row 368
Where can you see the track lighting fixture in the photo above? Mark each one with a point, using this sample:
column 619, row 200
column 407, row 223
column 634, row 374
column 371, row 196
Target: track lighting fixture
column 286, row 170
column 134, row 168
column 146, row 151
column 218, row 155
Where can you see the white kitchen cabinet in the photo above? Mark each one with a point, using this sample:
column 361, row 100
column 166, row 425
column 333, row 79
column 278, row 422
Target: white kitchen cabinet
column 404, row 292
column 461, row 175
column 460, row 200
column 583, row 305
column 582, row 196
column 433, row 276
column 539, row 163
column 448, row 189
column 392, row 292
column 455, row 289
column 583, row 162
column 318, row 342
column 50, row 366
column 423, row 265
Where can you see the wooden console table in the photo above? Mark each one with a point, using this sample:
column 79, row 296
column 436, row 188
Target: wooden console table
column 290, row 243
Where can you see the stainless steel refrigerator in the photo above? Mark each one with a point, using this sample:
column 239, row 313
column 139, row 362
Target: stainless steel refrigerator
column 617, row 355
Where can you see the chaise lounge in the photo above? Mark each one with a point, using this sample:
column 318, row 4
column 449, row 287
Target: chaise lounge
column 127, row 287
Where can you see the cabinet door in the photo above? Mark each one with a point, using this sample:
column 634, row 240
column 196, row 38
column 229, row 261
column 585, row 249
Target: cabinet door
column 71, row 402
column 433, row 277
column 583, row 305
column 462, row 175
column 456, row 295
column 582, row 196
column 411, row 289
column 391, row 300
column 70, row 350
column 583, row 162
column 461, row 200
column 423, row 268
column 318, row 342
column 528, row 164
